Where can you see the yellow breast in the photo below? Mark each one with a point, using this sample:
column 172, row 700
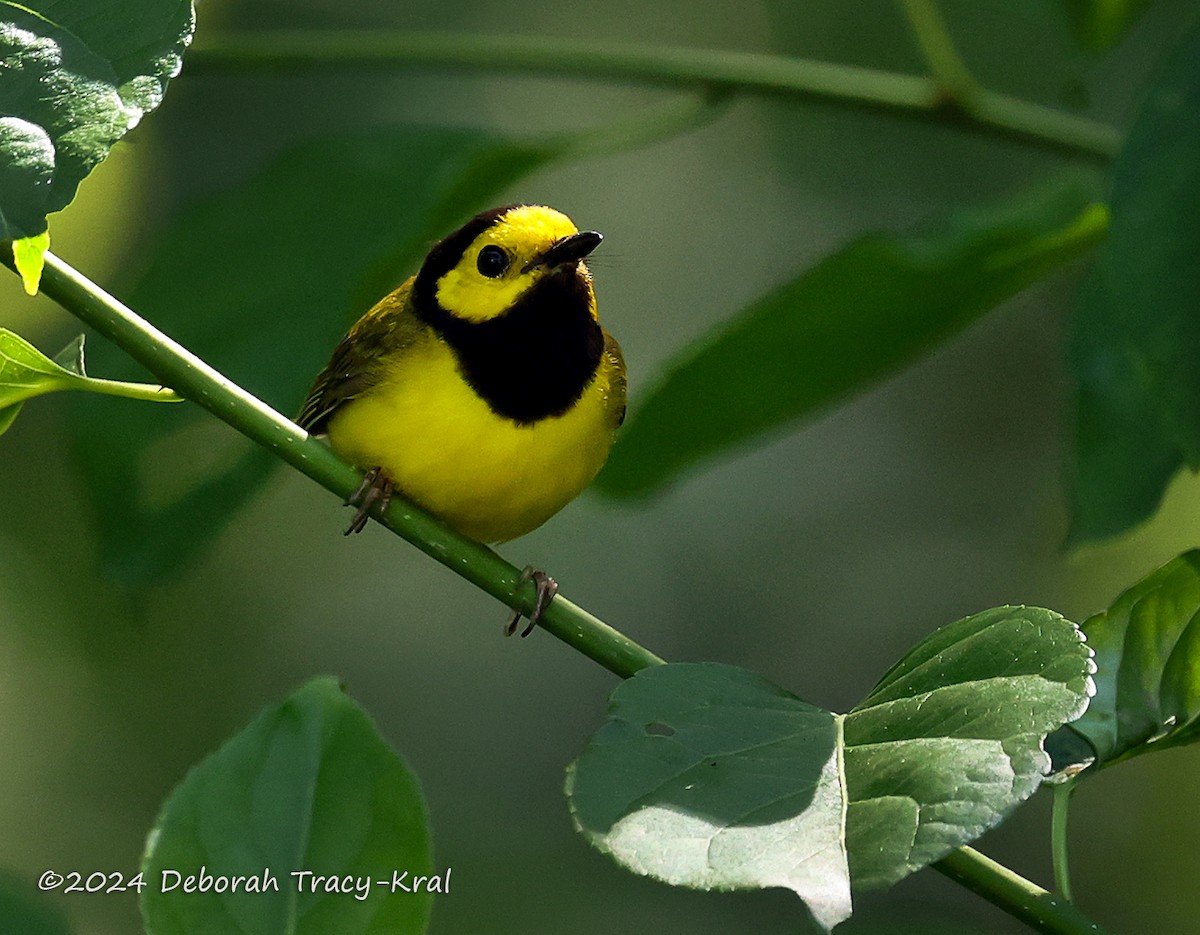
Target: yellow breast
column 486, row 476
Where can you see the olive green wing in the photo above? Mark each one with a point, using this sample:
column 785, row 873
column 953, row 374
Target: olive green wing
column 617, row 381
column 358, row 361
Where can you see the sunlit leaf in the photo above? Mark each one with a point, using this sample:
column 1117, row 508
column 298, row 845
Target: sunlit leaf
column 1137, row 331
column 859, row 315
column 950, row 740
column 308, row 786
column 710, row 777
column 1148, row 666
column 262, row 281
column 29, row 254
column 77, row 77
column 26, row 372
column 8, row 415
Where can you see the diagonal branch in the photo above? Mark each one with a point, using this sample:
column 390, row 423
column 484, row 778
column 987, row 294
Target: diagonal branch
column 175, row 366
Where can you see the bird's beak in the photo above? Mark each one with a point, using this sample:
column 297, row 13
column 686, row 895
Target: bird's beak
column 568, row 250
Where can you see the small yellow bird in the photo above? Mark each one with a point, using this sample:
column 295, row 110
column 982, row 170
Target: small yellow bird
column 483, row 388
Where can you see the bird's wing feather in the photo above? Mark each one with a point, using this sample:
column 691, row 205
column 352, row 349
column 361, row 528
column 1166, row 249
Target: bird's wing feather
column 617, row 389
column 356, row 363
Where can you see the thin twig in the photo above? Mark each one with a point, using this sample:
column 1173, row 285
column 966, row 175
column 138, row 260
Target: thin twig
column 712, row 71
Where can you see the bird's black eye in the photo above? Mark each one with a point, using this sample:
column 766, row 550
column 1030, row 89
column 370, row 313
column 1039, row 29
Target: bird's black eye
column 492, row 262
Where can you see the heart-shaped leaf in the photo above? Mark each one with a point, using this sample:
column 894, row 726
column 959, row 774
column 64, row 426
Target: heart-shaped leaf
column 710, row 777
column 309, row 786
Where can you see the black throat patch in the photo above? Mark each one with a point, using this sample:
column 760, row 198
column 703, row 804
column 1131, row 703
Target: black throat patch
column 536, row 359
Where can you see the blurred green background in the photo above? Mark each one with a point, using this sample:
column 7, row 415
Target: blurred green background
column 815, row 560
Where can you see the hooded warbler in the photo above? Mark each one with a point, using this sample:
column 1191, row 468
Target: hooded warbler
column 483, row 388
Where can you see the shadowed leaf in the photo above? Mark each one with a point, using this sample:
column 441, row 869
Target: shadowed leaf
column 857, row 316
column 1136, row 335
column 309, row 785
column 1148, row 666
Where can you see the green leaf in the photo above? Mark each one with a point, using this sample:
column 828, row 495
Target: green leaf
column 1148, row 666
column 950, row 740
column 261, row 282
column 860, row 314
column 710, row 777
column 25, row 910
column 77, row 77
column 1136, row 334
column 308, row 786
column 1100, row 23
column 29, row 255
column 8, row 415
column 26, row 372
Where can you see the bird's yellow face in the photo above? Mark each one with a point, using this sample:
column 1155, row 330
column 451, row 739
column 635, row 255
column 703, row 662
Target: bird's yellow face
column 512, row 252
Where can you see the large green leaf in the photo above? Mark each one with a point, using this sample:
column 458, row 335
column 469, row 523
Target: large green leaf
column 77, row 76
column 26, row 372
column 711, row 777
column 1100, row 23
column 1137, row 331
column 261, row 282
column 708, row 776
column 308, row 786
column 950, row 740
column 860, row 314
column 1147, row 649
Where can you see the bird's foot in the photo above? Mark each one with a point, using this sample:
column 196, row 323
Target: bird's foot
column 546, row 586
column 375, row 488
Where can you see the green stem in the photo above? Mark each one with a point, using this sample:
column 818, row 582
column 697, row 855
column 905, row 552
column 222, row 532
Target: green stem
column 142, row 391
column 1058, row 838
column 707, row 70
column 1036, row 907
column 936, row 45
column 177, row 367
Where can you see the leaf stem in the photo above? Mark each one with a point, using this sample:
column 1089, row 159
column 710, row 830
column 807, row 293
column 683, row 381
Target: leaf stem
column 1040, row 909
column 177, row 367
column 924, row 98
column 1058, row 838
column 945, row 65
column 143, row 391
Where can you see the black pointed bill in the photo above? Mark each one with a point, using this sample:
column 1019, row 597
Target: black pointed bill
column 568, row 250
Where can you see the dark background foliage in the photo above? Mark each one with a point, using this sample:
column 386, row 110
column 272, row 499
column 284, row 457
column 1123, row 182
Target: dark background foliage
column 816, row 559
